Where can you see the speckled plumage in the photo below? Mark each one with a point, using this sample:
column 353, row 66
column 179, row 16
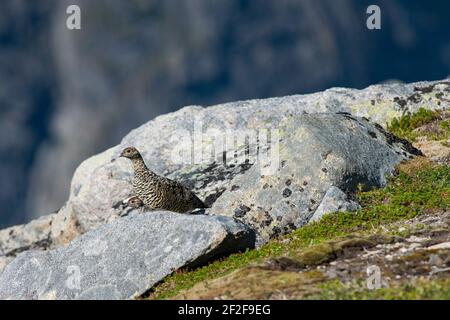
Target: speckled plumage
column 158, row 192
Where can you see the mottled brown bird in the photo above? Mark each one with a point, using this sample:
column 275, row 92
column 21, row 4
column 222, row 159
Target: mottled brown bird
column 130, row 204
column 135, row 203
column 158, row 192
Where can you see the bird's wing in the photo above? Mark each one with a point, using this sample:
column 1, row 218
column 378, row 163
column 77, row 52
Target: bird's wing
column 185, row 193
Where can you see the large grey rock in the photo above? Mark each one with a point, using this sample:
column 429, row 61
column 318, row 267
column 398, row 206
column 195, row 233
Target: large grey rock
column 161, row 136
column 177, row 144
column 124, row 258
column 317, row 151
column 170, row 145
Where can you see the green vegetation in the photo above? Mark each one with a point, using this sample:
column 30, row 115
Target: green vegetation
column 438, row 125
column 417, row 186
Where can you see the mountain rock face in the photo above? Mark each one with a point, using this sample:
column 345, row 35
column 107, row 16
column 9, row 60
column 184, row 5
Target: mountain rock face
column 266, row 167
column 27, row 97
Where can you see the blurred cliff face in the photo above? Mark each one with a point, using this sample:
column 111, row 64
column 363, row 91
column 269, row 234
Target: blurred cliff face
column 66, row 95
column 27, row 88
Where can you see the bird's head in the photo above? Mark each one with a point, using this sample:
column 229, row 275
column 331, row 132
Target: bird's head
column 130, row 153
column 134, row 202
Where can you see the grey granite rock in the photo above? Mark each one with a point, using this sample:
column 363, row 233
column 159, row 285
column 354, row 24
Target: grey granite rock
column 316, row 152
column 334, row 200
column 124, row 258
column 182, row 145
column 177, row 145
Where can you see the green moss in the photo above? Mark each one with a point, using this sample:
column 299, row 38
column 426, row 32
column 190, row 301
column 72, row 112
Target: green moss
column 329, row 250
column 316, row 255
column 404, row 126
column 412, row 191
column 420, row 289
column 445, row 125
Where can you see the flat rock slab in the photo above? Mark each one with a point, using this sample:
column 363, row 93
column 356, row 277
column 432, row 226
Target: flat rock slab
column 124, row 258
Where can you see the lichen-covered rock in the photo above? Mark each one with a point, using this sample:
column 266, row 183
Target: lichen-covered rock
column 187, row 146
column 183, row 145
column 124, row 258
column 317, row 151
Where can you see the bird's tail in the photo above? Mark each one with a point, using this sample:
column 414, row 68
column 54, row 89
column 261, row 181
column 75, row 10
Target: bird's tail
column 200, row 204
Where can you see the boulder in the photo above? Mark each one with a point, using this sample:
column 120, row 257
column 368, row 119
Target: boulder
column 124, row 258
column 188, row 145
column 316, row 152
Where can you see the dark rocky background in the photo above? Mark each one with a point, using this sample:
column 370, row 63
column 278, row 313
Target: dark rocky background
column 66, row 95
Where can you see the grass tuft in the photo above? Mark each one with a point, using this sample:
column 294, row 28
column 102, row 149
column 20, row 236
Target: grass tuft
column 405, row 126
